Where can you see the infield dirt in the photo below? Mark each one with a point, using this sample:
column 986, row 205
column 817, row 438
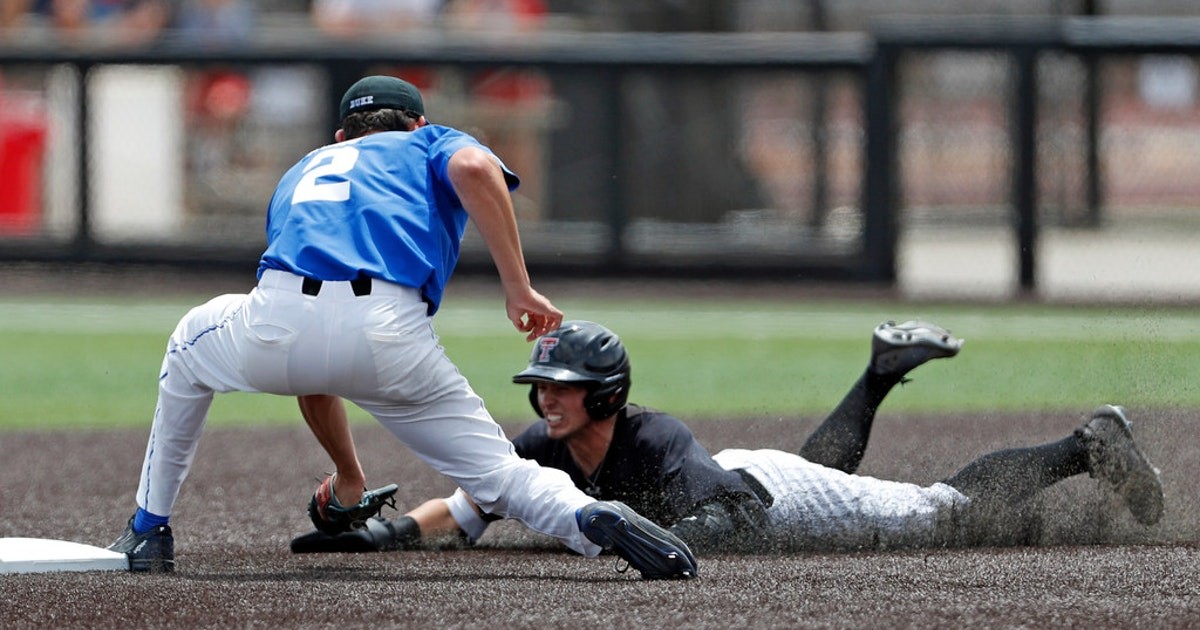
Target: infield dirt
column 1088, row 563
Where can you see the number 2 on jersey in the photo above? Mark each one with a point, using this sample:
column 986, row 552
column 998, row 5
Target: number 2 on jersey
column 330, row 164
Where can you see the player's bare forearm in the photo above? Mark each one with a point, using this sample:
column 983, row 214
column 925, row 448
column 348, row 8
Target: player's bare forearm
column 326, row 418
column 480, row 185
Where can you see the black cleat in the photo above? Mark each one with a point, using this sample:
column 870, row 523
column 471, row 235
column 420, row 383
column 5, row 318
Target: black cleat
column 152, row 551
column 898, row 348
column 655, row 552
column 1115, row 459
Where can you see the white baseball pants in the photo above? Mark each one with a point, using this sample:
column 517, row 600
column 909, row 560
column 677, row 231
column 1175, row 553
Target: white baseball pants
column 378, row 351
column 821, row 508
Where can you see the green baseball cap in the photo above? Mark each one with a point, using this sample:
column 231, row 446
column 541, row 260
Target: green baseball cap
column 382, row 92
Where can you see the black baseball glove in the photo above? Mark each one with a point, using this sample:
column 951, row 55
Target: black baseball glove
column 379, row 534
column 332, row 518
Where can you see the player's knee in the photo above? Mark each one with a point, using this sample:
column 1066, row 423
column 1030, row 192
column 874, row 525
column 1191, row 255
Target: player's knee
column 495, row 491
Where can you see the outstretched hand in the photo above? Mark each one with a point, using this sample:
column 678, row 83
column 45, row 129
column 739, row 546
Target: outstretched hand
column 532, row 313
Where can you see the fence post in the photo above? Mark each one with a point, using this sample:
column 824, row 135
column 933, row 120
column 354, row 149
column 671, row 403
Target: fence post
column 1092, row 97
column 82, row 246
column 617, row 197
column 1023, row 129
column 880, row 190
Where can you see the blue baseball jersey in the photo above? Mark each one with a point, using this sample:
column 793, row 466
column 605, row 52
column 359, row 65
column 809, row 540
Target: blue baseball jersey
column 380, row 206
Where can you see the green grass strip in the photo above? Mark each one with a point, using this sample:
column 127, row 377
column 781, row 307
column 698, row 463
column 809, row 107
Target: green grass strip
column 93, row 363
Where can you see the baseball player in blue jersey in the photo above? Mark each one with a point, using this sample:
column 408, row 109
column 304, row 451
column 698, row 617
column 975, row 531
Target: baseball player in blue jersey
column 362, row 236
column 765, row 499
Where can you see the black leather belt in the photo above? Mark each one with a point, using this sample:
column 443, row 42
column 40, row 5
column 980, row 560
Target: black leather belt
column 360, row 286
column 756, row 487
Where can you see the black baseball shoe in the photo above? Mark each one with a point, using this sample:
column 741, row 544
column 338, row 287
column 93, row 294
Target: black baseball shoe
column 1114, row 458
column 655, row 552
column 152, row 551
column 898, row 348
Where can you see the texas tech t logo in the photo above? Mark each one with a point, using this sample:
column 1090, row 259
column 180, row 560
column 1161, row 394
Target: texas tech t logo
column 545, row 347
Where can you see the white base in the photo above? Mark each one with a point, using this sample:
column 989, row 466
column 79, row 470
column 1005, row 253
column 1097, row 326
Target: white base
column 43, row 555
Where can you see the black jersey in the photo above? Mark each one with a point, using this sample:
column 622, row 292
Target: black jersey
column 654, row 464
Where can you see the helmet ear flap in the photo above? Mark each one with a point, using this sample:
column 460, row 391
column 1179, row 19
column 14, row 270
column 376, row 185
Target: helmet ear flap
column 606, row 401
column 533, row 401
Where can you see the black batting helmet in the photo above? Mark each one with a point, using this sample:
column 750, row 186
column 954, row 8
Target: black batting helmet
column 581, row 353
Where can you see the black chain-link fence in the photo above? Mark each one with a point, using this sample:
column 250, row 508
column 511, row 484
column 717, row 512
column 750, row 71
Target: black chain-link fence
column 743, row 155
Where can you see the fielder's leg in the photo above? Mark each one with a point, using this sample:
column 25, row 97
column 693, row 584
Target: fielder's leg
column 195, row 360
column 456, row 435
